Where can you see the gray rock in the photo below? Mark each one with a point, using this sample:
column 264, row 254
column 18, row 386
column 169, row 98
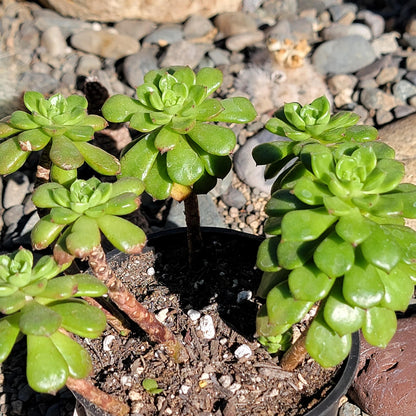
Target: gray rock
column 235, row 23
column 234, row 198
column 411, row 62
column 15, row 190
column 239, row 42
column 318, row 5
column 54, row 42
column 43, row 83
column 27, row 38
column 41, row 68
column 184, row 53
column 374, row 21
column 385, row 44
column 222, row 186
column 251, row 6
column 137, row 65
column 403, row 110
column 387, row 74
column 304, row 28
column 165, row 35
column 410, row 40
column 349, row 409
column 198, row 27
column 375, row 99
column 12, row 216
column 343, row 55
column 219, row 56
column 137, row 29
column 338, row 11
column 105, row 43
column 245, row 166
column 207, row 211
column 88, row 64
column 45, row 18
column 411, row 76
column 338, row 30
column 340, row 82
column 403, row 90
column 383, row 116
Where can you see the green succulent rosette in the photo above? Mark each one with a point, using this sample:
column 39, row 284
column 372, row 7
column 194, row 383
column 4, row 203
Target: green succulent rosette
column 80, row 214
column 337, row 237
column 65, row 124
column 312, row 123
column 179, row 150
column 37, row 303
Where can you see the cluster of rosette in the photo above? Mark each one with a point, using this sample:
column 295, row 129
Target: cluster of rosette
column 336, row 232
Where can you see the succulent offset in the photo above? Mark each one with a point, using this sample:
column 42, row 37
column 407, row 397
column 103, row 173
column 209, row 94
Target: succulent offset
column 80, row 213
column 64, row 124
column 35, row 302
column 179, row 150
column 336, row 237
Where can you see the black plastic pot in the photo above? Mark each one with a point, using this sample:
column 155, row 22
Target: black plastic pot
column 329, row 405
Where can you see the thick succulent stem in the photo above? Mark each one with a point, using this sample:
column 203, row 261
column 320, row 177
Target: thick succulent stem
column 126, row 301
column 295, row 354
column 96, row 396
column 193, row 225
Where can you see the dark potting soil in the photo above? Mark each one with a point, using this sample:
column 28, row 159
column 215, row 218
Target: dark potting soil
column 213, row 381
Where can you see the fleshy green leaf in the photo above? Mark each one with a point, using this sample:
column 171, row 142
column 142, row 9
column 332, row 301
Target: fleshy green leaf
column 211, row 78
column 379, row 326
column 157, row 181
column 46, row 369
column 83, row 238
column 119, row 108
column 13, row 156
column 269, row 280
column 267, row 255
column 353, row 228
column 213, row 139
column 123, row 234
column 309, row 283
column 236, row 110
column 62, row 287
column 324, row 345
column 76, row 357
column 334, row 256
column 283, row 308
column 306, row 225
column 381, row 249
column 101, row 161
column 9, row 330
column 283, row 201
column 362, row 286
column 65, row 154
column 183, row 164
column 264, row 328
column 139, row 158
column 37, row 319
column 398, row 288
column 310, row 192
column 12, row 303
column 266, row 153
column 88, row 285
column 339, row 314
column 45, row 232
column 80, row 318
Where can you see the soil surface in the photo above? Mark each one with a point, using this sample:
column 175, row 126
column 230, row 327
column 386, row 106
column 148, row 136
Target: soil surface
column 215, row 380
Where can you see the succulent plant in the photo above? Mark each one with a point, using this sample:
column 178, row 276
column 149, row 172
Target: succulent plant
column 42, row 306
column 179, row 151
column 84, row 210
column 337, row 238
column 64, row 123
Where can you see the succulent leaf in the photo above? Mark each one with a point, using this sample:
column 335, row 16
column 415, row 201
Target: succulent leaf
column 379, row 326
column 267, row 255
column 46, row 369
column 76, row 357
column 324, row 345
column 9, row 331
column 123, row 234
column 80, row 318
column 37, row 319
column 15, row 158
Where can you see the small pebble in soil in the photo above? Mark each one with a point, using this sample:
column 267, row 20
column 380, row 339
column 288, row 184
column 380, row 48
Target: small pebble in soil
column 206, row 326
column 243, row 351
column 194, row 315
column 244, row 295
column 107, row 342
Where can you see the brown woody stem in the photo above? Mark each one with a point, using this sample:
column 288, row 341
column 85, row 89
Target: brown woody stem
column 96, row 396
column 126, row 301
column 193, row 225
column 295, row 354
